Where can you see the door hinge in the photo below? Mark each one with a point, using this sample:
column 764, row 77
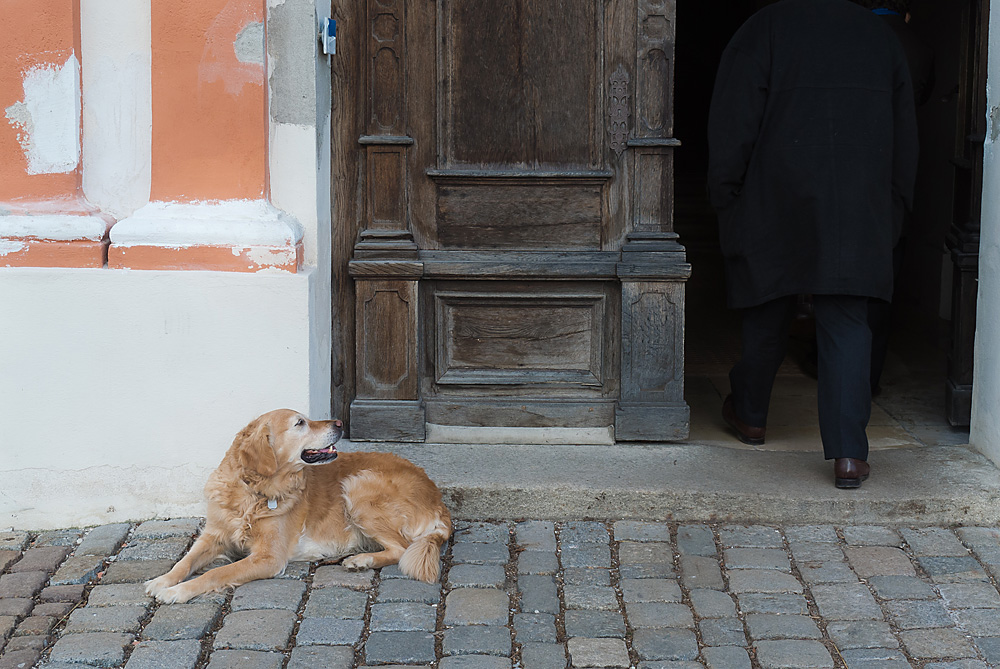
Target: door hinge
column 328, row 36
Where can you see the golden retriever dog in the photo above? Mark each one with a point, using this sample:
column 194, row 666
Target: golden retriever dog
column 282, row 493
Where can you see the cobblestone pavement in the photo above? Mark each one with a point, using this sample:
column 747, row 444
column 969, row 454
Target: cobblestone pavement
column 531, row 594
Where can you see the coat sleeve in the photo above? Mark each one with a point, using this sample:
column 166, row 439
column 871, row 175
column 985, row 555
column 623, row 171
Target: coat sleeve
column 736, row 113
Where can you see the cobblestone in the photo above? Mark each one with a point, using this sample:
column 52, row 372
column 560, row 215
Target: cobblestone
column 329, row 631
column 665, row 644
column 910, row 615
column 846, row 602
column 477, row 640
column 640, row 594
column 256, row 630
column 400, row 648
column 650, row 590
column 712, row 604
column 78, row 570
column 862, row 634
column 172, row 548
column 270, row 593
column 543, row 656
column 871, row 535
column 343, row 602
column 136, row 571
column 480, row 553
column 696, row 540
column 476, row 576
column 37, row 625
column 7, row 558
column 594, row 624
column 104, row 540
column 245, row 659
column 15, row 540
column 656, row 614
column 182, row 621
column 793, row 654
column 106, row 619
column 161, row 529
column 16, row 607
column 25, row 584
column 598, row 652
column 722, row 632
column 901, row 587
column 541, row 627
column 46, row 558
column 329, row 657
column 100, row 649
column 536, row 535
column 476, row 606
column 726, row 658
column 165, row 655
column 481, row 532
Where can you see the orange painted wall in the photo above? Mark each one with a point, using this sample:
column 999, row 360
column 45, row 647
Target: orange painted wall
column 34, row 33
column 209, row 108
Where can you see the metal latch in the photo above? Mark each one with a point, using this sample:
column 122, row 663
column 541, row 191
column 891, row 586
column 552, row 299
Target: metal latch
column 328, row 36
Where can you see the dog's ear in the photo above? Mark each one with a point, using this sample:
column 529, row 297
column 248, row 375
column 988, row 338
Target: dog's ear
column 252, row 448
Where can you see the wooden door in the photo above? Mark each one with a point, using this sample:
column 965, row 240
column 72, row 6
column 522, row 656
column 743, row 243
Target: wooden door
column 503, row 199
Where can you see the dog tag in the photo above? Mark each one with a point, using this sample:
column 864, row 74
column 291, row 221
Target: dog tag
column 272, row 504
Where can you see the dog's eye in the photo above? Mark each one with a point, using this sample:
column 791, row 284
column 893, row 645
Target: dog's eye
column 299, row 423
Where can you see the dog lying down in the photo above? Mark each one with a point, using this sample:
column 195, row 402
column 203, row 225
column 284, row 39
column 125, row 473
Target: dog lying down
column 283, row 493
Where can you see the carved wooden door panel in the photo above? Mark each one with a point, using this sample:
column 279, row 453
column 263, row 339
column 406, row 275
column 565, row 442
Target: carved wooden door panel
column 504, row 247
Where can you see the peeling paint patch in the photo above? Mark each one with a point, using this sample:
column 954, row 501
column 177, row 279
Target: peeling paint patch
column 219, row 63
column 48, row 119
column 8, row 246
column 995, row 124
column 249, row 44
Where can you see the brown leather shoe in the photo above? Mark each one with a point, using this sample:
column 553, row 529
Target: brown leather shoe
column 748, row 434
column 850, row 472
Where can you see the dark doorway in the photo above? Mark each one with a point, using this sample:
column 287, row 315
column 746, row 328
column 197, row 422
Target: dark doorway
column 917, row 369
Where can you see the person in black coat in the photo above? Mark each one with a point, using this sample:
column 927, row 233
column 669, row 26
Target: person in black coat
column 812, row 161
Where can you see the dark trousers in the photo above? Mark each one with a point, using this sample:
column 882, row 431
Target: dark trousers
column 844, row 345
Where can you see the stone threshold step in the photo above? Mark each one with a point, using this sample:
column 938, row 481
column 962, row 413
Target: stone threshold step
column 940, row 485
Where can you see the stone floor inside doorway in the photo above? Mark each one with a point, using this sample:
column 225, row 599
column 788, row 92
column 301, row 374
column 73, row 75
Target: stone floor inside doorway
column 909, row 412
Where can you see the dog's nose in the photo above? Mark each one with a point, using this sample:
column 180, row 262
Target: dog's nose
column 338, row 423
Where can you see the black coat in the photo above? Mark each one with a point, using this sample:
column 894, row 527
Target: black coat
column 812, row 152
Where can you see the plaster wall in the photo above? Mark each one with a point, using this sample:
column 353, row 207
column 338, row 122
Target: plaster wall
column 39, row 100
column 117, row 105
column 984, row 433
column 124, row 388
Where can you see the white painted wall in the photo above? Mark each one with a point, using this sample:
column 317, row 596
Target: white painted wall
column 117, row 103
column 298, row 77
column 984, row 433
column 121, row 390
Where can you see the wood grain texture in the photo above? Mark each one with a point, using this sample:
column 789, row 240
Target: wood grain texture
column 526, row 412
column 505, row 265
column 511, row 216
column 387, row 339
column 536, row 339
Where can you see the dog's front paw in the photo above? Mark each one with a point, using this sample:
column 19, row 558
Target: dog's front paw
column 358, row 562
column 157, row 585
column 176, row 594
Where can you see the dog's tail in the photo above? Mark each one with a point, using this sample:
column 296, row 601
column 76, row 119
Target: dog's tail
column 422, row 558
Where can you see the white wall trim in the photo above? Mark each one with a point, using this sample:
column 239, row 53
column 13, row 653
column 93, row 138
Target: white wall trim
column 116, row 55
column 237, row 223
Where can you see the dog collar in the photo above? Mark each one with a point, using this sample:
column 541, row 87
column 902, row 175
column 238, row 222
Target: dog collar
column 272, row 504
